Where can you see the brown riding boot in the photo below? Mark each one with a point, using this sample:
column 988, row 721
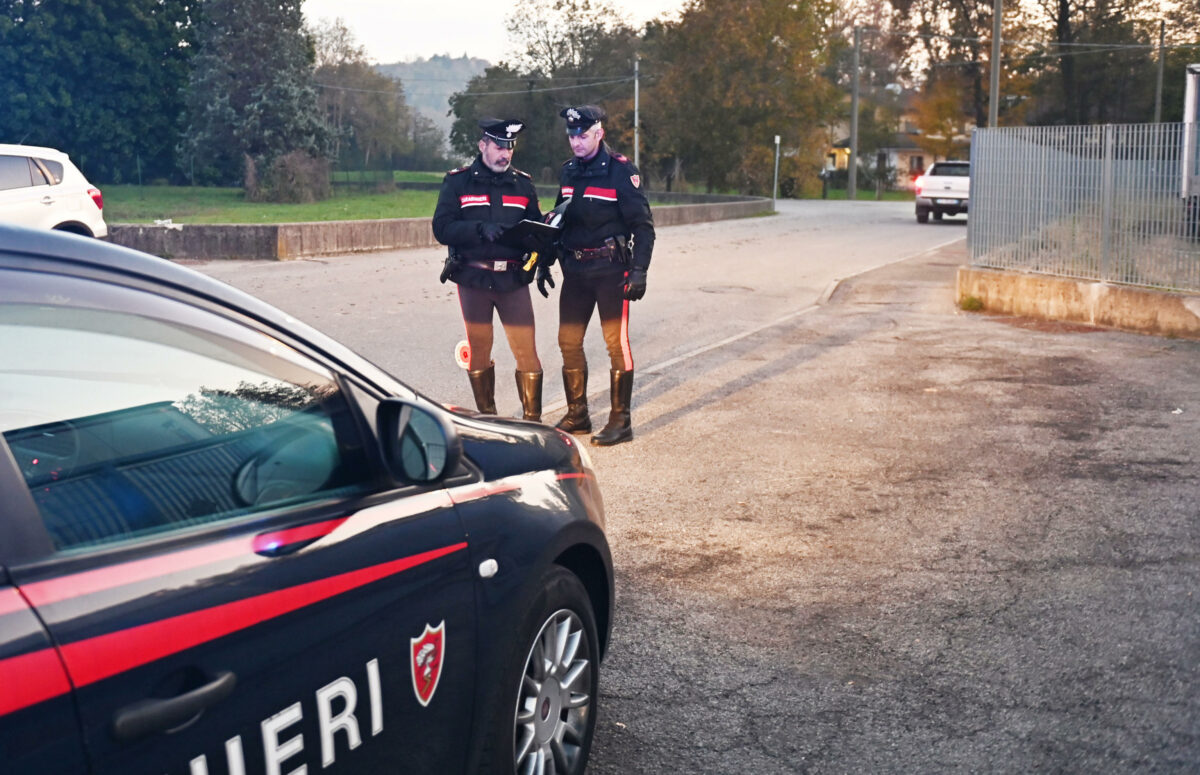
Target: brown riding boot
column 483, row 385
column 576, row 419
column 618, row 428
column 529, row 388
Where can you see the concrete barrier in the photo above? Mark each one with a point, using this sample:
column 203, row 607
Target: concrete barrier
column 677, row 215
column 1081, row 301
column 283, row 241
column 278, row 241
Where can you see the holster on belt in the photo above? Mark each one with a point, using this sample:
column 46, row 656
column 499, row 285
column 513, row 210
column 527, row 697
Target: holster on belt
column 619, row 245
column 615, row 249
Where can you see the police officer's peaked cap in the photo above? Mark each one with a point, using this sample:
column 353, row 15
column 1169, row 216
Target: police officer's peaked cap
column 582, row 118
column 501, row 131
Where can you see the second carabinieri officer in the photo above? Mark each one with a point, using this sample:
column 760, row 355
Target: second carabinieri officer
column 477, row 204
column 607, row 238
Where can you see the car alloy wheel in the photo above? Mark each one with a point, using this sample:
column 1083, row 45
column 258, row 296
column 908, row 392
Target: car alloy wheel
column 553, row 723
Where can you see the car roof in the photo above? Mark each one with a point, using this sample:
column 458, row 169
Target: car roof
column 61, row 252
column 31, row 150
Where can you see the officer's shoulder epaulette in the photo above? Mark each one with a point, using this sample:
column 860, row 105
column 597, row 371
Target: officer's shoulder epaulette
column 522, row 173
column 457, row 170
column 569, row 161
column 619, row 157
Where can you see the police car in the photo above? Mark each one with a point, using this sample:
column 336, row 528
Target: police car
column 230, row 545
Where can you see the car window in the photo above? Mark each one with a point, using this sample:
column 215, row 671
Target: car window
column 54, row 169
column 14, row 173
column 39, row 175
column 126, row 426
column 951, row 170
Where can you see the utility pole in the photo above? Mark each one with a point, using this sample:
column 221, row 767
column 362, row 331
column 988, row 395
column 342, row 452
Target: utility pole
column 852, row 167
column 1162, row 33
column 775, row 185
column 636, row 108
column 994, row 102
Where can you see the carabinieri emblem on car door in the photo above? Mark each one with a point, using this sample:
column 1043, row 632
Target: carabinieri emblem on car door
column 426, row 657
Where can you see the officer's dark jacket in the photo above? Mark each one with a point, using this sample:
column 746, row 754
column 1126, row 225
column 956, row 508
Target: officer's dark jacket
column 607, row 201
column 472, row 194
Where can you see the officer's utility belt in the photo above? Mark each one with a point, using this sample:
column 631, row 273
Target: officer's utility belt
column 612, row 250
column 494, row 266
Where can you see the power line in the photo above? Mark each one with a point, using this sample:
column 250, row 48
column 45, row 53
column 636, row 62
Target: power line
column 627, row 79
column 1039, row 43
column 398, row 90
column 1061, row 54
column 1018, row 58
column 491, row 79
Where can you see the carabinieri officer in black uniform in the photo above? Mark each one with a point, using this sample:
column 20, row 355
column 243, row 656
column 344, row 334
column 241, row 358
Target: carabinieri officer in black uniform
column 607, row 238
column 477, row 204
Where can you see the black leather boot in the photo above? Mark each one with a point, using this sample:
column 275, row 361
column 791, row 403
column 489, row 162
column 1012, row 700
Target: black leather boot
column 483, row 385
column 618, row 428
column 529, row 388
column 576, row 419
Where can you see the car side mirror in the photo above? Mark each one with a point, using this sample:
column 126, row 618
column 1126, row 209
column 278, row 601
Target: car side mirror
column 419, row 445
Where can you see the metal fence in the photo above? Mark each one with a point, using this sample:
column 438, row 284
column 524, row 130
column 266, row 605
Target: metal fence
column 1114, row 203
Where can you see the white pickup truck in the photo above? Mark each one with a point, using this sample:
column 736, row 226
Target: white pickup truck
column 944, row 190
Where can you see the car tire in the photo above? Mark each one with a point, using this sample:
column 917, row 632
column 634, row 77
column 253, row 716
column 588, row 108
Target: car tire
column 922, row 216
column 548, row 716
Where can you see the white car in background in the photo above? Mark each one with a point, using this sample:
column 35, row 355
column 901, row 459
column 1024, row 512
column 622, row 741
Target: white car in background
column 40, row 188
column 944, row 190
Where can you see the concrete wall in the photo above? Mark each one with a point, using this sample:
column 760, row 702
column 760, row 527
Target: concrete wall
column 1080, row 301
column 677, row 215
column 548, row 193
column 300, row 240
column 243, row 241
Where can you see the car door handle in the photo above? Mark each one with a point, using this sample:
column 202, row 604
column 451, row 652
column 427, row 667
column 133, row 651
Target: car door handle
column 148, row 717
column 47, row 200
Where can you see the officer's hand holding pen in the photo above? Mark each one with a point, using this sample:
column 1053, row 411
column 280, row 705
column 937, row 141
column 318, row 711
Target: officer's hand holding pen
column 635, row 284
column 490, row 230
column 544, row 278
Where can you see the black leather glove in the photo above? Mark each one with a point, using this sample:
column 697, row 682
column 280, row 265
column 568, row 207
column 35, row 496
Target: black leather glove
column 544, row 278
column 491, row 230
column 448, row 268
column 635, row 284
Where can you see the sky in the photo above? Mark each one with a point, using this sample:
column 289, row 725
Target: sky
column 401, row 30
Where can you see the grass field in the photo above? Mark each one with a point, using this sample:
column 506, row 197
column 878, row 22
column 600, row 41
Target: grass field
column 184, row 204
column 372, row 176
column 868, row 195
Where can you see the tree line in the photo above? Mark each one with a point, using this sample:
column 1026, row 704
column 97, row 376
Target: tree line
column 243, row 92
column 717, row 83
column 210, row 92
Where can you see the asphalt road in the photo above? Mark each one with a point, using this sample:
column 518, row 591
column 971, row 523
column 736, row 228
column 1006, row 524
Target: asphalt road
column 707, row 282
column 877, row 534
column 886, row 537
